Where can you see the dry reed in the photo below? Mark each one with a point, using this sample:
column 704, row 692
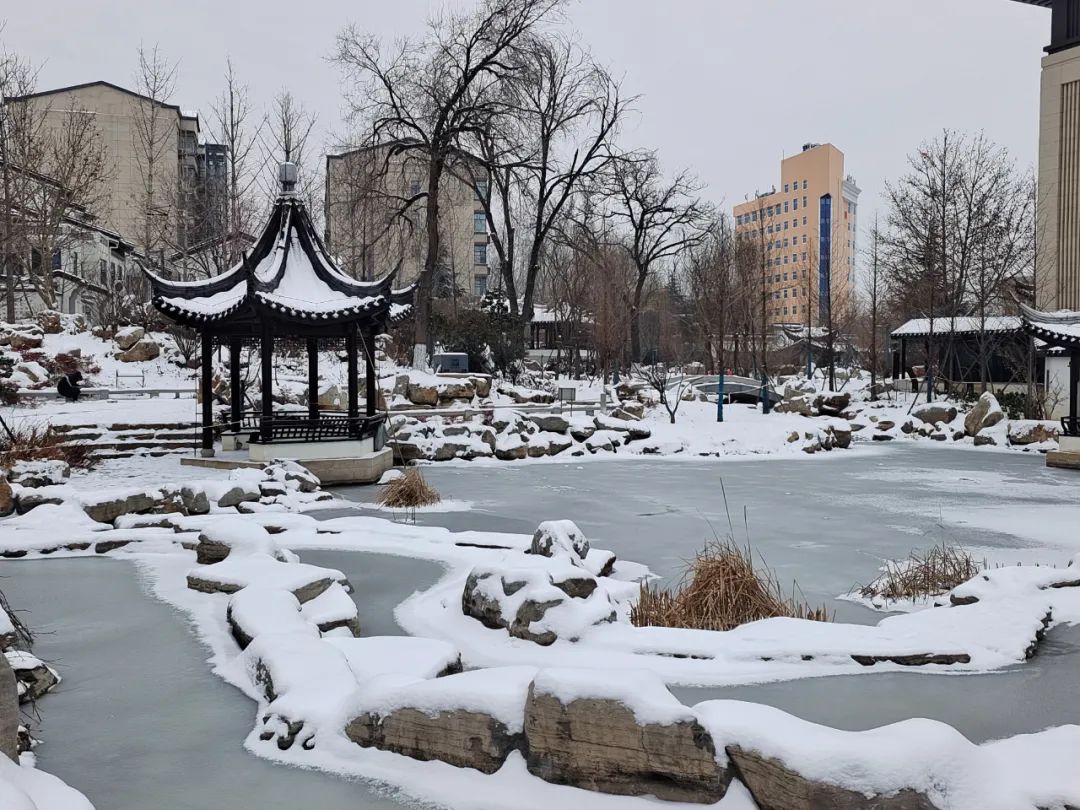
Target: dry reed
column 923, row 574
column 720, row 589
column 43, row 444
column 408, row 492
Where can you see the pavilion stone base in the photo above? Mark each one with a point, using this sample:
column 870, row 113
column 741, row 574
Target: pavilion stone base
column 344, row 462
column 1067, row 455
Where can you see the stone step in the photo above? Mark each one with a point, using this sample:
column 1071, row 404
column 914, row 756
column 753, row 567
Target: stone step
column 149, row 444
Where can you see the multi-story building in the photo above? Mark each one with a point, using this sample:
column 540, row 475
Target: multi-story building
column 374, row 219
column 181, row 164
column 1057, row 260
column 806, row 230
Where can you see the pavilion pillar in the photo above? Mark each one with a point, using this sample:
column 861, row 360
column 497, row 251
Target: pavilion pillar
column 207, row 369
column 1074, row 383
column 354, row 377
column 313, row 377
column 369, row 367
column 235, row 394
column 266, row 356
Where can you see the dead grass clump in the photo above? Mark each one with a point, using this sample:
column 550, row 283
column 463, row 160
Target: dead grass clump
column 408, row 492
column 719, row 590
column 42, row 444
column 923, row 574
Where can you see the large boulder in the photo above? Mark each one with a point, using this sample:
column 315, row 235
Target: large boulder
column 110, row 508
column 551, row 422
column 7, row 499
column 621, row 733
column 832, row 404
column 553, row 537
column 469, row 720
column 145, row 349
column 538, row 601
column 33, row 677
column 934, row 412
column 22, row 340
column 1029, row 431
column 775, row 786
column 985, row 413
column 128, row 336
column 422, row 394
column 50, row 321
column 456, row 389
column 45, row 473
column 9, row 712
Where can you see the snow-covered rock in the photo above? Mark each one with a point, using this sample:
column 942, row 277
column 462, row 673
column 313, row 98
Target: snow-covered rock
column 984, row 414
column 39, row 473
column 555, row 537
column 619, row 732
column 304, row 581
column 470, row 720
column 128, row 336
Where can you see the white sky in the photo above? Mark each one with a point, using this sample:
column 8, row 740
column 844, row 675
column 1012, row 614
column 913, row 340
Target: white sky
column 728, row 88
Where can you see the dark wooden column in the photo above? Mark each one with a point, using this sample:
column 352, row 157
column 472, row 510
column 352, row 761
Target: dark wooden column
column 236, row 404
column 369, row 366
column 313, row 377
column 266, row 352
column 207, row 369
column 903, row 358
column 354, row 377
column 1074, row 383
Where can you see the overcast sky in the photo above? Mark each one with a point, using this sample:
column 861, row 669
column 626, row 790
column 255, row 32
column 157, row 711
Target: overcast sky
column 727, row 88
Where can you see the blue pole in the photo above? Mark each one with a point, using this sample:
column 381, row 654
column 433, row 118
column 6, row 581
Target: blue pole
column 766, row 405
column 720, row 397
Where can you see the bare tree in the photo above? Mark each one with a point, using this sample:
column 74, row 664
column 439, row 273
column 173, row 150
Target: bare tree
column 429, row 96
column 155, row 150
column 234, row 128
column 669, row 382
column 18, row 122
column 552, row 133
column 709, row 273
column 662, row 219
column 287, row 137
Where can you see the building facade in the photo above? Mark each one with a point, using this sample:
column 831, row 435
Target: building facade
column 371, row 225
column 182, row 167
column 806, row 228
column 1057, row 260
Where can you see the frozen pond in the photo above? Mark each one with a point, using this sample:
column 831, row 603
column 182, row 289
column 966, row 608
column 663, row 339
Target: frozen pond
column 140, row 721
column 826, row 522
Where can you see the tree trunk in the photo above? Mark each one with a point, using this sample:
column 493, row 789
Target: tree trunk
column 423, row 338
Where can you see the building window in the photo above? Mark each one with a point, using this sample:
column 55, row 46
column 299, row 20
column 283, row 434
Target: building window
column 794, row 275
column 103, row 271
column 785, row 224
column 795, row 204
column 804, row 220
column 753, row 215
column 479, row 286
column 481, row 189
column 804, row 187
column 479, row 254
column 787, row 206
column 414, row 188
column 479, row 222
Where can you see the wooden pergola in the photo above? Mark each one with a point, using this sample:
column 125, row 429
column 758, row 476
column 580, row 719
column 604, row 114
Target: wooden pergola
column 288, row 288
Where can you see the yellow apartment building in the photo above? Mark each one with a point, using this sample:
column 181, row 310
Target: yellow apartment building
column 807, row 228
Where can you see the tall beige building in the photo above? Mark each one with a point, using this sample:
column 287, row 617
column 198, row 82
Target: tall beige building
column 806, row 228
column 1057, row 261
column 139, row 132
column 367, row 232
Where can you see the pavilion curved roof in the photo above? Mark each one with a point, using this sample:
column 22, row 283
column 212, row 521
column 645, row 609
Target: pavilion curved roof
column 1060, row 329
column 289, row 276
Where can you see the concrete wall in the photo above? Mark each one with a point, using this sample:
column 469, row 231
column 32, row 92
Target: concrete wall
column 1058, row 260
column 117, row 113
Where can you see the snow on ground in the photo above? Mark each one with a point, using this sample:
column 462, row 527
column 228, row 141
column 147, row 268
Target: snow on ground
column 24, row 787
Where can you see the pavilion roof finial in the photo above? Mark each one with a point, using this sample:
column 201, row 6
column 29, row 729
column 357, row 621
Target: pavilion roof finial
column 287, row 174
